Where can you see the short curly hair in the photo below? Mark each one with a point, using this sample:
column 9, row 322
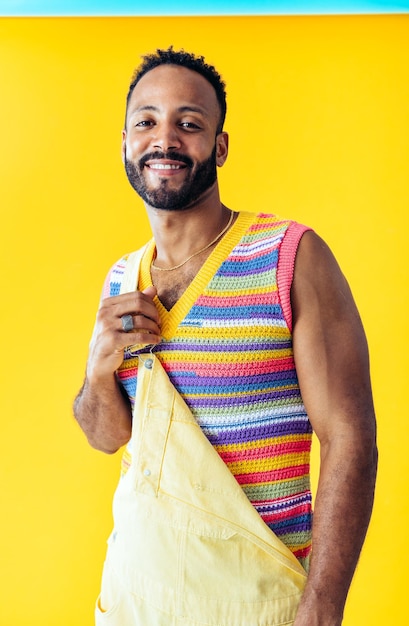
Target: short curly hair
column 191, row 62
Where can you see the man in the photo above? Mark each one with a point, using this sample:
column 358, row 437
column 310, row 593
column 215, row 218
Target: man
column 244, row 325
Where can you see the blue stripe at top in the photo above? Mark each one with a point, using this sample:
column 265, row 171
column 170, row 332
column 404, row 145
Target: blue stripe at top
column 104, row 8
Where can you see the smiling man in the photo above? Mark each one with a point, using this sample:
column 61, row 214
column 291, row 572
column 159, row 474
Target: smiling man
column 164, row 177
column 218, row 348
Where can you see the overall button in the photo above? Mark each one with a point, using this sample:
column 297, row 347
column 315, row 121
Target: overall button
column 149, row 364
column 147, row 472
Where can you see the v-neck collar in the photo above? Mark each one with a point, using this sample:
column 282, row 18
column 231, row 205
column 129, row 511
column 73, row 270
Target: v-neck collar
column 171, row 319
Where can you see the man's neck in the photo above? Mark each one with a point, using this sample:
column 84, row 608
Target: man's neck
column 181, row 233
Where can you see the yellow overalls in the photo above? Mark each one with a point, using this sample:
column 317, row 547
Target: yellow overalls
column 188, row 548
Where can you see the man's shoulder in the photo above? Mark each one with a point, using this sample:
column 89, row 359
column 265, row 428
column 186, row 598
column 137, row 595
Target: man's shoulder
column 274, row 227
column 273, row 222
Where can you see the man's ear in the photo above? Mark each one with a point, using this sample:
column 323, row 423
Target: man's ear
column 123, row 146
column 222, row 148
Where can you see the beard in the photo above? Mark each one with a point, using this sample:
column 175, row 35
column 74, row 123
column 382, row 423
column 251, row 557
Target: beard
column 198, row 180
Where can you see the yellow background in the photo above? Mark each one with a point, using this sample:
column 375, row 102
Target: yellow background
column 319, row 129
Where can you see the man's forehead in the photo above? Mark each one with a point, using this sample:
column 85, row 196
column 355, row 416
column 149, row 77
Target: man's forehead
column 178, row 83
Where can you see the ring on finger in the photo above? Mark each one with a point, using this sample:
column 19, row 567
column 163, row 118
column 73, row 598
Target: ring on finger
column 127, row 323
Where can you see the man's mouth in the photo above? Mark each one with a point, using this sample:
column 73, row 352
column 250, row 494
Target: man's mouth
column 165, row 166
column 165, row 162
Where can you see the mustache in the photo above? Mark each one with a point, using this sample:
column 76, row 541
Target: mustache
column 172, row 156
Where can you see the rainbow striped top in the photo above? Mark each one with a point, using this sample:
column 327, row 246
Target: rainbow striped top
column 227, row 348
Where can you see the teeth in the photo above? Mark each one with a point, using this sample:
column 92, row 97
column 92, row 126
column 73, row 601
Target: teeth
column 161, row 166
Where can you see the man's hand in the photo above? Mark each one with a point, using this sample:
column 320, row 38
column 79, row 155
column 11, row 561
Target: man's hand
column 109, row 339
column 101, row 408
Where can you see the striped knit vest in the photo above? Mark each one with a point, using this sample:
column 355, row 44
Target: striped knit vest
column 227, row 348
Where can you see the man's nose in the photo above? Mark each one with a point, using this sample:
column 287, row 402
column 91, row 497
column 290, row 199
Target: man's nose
column 166, row 137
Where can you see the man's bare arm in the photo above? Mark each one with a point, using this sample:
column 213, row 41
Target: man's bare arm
column 332, row 363
column 101, row 408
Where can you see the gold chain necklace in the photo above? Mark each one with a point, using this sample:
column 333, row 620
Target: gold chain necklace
column 176, row 267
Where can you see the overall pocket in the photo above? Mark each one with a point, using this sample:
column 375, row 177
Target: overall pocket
column 228, row 580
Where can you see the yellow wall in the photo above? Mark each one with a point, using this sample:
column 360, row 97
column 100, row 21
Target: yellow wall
column 319, row 130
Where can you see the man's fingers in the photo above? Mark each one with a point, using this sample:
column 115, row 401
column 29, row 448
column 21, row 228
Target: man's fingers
column 136, row 304
column 150, row 291
column 142, row 326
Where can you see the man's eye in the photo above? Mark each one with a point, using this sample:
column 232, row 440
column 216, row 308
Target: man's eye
column 144, row 123
column 190, row 125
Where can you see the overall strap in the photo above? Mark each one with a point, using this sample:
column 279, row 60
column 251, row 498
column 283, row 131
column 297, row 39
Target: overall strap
column 131, row 274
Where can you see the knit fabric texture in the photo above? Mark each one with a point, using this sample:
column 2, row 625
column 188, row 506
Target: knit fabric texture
column 227, row 348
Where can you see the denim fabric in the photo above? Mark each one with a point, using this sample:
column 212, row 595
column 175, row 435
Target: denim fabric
column 187, row 546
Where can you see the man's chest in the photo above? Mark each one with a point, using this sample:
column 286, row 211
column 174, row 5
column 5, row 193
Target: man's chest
column 172, row 285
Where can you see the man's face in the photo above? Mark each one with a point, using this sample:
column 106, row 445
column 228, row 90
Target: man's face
column 170, row 147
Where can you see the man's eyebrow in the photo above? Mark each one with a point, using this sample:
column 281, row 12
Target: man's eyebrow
column 145, row 107
column 192, row 109
column 187, row 108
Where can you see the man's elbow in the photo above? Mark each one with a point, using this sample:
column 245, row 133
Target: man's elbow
column 108, row 443
column 104, row 446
